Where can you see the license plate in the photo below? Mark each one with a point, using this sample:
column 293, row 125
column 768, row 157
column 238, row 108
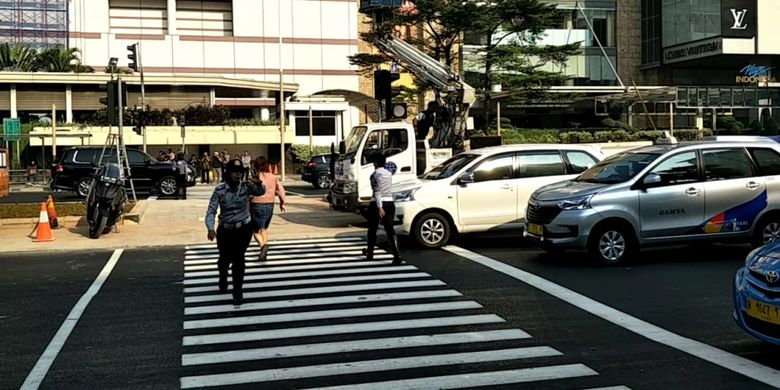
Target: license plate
column 763, row 311
column 535, row 229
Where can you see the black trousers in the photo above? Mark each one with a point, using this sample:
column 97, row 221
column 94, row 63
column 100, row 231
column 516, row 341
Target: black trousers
column 204, row 175
column 232, row 245
column 387, row 224
column 182, row 182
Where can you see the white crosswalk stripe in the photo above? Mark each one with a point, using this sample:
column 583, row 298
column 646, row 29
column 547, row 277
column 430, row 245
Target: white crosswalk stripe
column 317, row 310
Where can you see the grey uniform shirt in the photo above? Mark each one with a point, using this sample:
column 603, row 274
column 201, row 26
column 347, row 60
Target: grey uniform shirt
column 382, row 185
column 233, row 205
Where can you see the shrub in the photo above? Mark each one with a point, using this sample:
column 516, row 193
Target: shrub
column 301, row 152
column 770, row 126
column 756, row 126
column 731, row 125
column 608, row 122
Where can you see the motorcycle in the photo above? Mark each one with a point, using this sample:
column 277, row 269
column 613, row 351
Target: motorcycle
column 106, row 200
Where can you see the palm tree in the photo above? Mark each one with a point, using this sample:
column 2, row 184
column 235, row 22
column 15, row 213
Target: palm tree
column 61, row 59
column 17, row 58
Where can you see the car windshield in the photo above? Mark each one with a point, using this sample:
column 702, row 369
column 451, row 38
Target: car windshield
column 450, row 167
column 352, row 142
column 617, row 168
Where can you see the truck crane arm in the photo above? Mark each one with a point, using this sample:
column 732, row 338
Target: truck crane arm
column 453, row 107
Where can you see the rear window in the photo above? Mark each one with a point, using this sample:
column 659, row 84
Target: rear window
column 86, row 156
column 768, row 161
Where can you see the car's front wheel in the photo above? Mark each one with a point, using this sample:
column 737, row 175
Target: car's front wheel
column 432, row 230
column 611, row 244
column 767, row 231
column 322, row 181
column 168, row 185
column 83, row 186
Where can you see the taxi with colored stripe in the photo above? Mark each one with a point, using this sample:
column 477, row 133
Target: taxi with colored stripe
column 663, row 194
column 757, row 294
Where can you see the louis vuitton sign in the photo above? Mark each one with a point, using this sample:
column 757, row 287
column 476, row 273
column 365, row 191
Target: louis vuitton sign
column 693, row 50
column 738, row 19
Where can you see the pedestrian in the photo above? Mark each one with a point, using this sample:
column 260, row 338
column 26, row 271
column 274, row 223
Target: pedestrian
column 425, row 120
column 32, row 172
column 180, row 165
column 381, row 209
column 246, row 161
column 205, row 168
column 195, row 164
column 225, row 159
column 216, row 164
column 263, row 206
column 171, row 155
column 235, row 225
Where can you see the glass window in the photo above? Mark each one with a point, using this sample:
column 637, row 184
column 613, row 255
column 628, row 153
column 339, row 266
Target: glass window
column 494, row 168
column 540, row 164
column 580, row 161
column 86, row 156
column 450, row 167
column 617, row 168
column 726, row 164
column 389, row 142
column 768, row 161
column 678, row 169
column 135, row 156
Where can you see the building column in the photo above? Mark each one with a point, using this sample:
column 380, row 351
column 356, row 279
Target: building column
column 212, row 96
column 699, row 119
column 265, row 114
column 630, row 115
column 171, row 17
column 14, row 114
column 68, row 104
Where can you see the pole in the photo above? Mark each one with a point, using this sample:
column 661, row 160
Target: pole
column 311, row 132
column 671, row 118
column 598, row 41
column 498, row 117
column 53, row 132
column 120, row 111
column 281, row 94
column 143, row 92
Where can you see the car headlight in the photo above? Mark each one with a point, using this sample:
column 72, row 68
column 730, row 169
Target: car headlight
column 751, row 255
column 404, row 196
column 350, row 187
column 580, row 203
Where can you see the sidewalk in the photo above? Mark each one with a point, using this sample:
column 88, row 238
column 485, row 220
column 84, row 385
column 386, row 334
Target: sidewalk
column 181, row 222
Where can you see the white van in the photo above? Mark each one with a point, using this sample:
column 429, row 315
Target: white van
column 484, row 189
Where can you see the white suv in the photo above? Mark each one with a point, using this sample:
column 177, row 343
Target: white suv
column 483, row 189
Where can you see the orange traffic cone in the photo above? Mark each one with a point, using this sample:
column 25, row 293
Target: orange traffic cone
column 52, row 213
column 44, row 229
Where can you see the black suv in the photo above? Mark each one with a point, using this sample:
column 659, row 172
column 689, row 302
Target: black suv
column 317, row 171
column 75, row 169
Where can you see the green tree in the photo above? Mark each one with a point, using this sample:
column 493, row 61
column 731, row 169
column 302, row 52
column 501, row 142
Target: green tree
column 62, row 59
column 17, row 58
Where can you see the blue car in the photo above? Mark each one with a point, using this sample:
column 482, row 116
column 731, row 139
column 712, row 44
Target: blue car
column 757, row 294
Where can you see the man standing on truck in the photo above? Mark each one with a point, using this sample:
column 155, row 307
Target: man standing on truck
column 381, row 209
column 424, row 121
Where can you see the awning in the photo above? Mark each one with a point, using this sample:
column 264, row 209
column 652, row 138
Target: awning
column 366, row 104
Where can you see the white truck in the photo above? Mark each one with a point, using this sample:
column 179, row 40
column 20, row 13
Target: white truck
column 351, row 189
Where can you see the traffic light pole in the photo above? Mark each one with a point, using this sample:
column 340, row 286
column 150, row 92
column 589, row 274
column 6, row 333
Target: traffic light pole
column 143, row 93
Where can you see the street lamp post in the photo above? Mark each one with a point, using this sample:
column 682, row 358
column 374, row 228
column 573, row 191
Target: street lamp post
column 281, row 94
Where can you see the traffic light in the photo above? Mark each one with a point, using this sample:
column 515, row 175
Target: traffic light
column 384, row 92
column 110, row 101
column 133, row 57
column 139, row 121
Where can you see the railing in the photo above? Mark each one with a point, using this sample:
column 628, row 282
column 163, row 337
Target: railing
column 19, row 176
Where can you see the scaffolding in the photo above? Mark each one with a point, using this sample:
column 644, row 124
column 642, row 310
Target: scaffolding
column 35, row 23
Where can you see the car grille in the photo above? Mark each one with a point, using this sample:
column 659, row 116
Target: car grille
column 762, row 278
column 763, row 327
column 770, row 293
column 541, row 214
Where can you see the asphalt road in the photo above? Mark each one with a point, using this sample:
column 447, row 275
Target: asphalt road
column 158, row 321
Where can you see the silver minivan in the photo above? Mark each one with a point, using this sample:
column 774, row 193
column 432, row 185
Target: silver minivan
column 662, row 194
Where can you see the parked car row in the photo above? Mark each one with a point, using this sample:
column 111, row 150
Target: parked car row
column 569, row 197
column 75, row 170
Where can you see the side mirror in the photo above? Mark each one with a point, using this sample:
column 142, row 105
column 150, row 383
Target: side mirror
column 147, row 162
column 342, row 147
column 466, row 178
column 651, row 180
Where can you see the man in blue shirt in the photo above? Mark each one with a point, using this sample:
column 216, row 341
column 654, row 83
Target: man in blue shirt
column 235, row 224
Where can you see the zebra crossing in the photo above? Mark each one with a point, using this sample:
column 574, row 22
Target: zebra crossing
column 318, row 315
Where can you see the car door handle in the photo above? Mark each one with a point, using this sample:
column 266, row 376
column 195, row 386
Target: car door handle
column 406, row 169
column 506, row 187
column 752, row 185
column 692, row 191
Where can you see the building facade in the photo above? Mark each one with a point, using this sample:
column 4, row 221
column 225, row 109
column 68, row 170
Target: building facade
column 305, row 43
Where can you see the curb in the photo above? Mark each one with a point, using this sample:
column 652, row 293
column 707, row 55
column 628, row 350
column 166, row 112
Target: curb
column 135, row 215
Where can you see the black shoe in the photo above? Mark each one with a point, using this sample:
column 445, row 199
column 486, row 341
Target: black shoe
column 264, row 252
column 238, row 298
column 398, row 261
column 369, row 256
column 223, row 285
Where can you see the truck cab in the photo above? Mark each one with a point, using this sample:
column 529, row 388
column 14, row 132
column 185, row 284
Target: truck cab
column 353, row 168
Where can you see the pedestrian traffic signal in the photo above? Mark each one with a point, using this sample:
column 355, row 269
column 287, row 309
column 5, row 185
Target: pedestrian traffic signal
column 384, row 91
column 133, row 57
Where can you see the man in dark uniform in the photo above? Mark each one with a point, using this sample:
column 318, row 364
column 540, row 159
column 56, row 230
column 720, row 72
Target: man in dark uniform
column 381, row 209
column 235, row 224
column 181, row 176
